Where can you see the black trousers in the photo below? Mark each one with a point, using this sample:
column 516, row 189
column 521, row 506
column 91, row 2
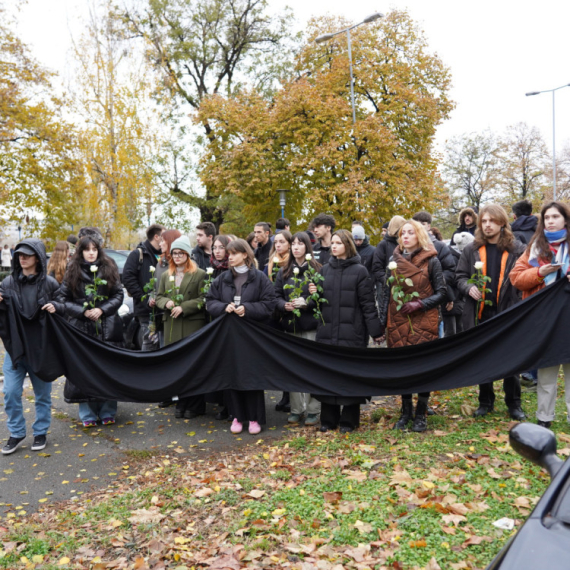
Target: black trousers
column 422, row 395
column 512, row 387
column 332, row 416
column 246, row 406
column 452, row 325
column 196, row 404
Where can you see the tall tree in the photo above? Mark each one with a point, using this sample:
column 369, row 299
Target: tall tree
column 205, row 47
column 524, row 162
column 472, row 169
column 303, row 139
column 41, row 175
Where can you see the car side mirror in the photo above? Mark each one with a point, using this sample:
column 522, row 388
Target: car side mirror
column 537, row 444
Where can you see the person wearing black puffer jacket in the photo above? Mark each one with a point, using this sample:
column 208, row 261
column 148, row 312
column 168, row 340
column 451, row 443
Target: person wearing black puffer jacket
column 303, row 325
column 95, row 317
column 363, row 247
column 350, row 318
column 247, row 292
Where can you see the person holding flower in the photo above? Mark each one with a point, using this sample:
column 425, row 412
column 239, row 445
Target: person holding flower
column 415, row 288
column 495, row 250
column 247, row 293
column 350, row 318
column 546, row 260
column 92, row 294
column 180, row 297
column 292, row 293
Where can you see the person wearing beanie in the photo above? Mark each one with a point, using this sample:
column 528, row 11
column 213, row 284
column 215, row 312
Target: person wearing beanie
column 186, row 315
column 363, row 247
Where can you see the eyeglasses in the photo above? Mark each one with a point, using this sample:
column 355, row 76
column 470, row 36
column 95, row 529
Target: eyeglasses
column 178, row 254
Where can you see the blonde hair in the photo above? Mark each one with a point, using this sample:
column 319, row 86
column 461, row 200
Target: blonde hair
column 424, row 240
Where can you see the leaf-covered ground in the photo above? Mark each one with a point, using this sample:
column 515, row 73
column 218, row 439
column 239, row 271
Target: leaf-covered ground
column 372, row 499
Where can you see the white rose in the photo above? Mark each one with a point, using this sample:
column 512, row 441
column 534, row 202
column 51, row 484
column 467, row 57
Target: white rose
column 296, row 271
column 210, row 270
column 152, row 268
column 93, row 269
column 171, row 278
column 308, row 257
column 478, row 265
column 392, row 265
column 276, row 260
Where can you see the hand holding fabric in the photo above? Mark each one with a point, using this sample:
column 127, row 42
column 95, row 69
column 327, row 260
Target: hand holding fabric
column 240, row 311
column 411, row 307
column 49, row 308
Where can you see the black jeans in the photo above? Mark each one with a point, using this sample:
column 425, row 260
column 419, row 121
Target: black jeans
column 332, row 417
column 512, row 387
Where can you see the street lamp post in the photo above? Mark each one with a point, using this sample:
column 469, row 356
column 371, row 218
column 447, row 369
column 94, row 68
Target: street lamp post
column 553, row 91
column 282, row 200
column 327, row 37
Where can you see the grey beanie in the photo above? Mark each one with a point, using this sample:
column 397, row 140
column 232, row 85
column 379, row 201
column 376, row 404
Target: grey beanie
column 182, row 243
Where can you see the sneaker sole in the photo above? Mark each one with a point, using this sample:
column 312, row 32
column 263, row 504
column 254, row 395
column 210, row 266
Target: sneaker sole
column 38, row 448
column 10, row 451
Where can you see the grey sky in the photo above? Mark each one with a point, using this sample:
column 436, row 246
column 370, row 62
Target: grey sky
column 497, row 50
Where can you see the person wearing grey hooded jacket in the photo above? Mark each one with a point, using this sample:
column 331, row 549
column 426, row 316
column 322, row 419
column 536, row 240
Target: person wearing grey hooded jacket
column 30, row 291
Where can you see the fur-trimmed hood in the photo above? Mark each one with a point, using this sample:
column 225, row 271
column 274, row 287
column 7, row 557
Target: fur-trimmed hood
column 466, row 211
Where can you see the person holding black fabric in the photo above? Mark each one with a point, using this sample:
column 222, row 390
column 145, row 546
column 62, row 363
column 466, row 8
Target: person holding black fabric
column 101, row 321
column 181, row 319
column 246, row 292
column 304, row 326
column 350, row 318
column 496, row 250
column 416, row 321
column 30, row 291
column 137, row 273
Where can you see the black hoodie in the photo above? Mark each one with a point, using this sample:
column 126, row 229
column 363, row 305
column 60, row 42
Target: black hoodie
column 524, row 227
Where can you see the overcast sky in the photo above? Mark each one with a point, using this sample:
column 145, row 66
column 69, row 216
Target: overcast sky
column 497, row 51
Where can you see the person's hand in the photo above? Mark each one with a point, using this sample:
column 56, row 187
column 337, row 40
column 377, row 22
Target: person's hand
column 49, row 308
column 312, row 288
column 289, row 307
column 240, row 311
column 411, row 307
column 151, row 302
column 449, row 306
column 94, row 314
column 230, row 308
column 299, row 303
column 176, row 312
column 170, row 304
column 1, row 298
column 547, row 269
column 474, row 293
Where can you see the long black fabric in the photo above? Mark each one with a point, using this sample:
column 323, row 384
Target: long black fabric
column 232, row 352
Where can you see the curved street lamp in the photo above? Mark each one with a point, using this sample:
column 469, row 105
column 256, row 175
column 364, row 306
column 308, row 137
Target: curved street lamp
column 327, row 37
column 553, row 91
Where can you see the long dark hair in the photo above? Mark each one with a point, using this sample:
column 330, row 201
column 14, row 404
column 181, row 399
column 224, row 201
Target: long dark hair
column 539, row 239
column 303, row 237
column 107, row 267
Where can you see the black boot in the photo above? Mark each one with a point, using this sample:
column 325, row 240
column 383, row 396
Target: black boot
column 420, row 421
column 284, row 404
column 407, row 413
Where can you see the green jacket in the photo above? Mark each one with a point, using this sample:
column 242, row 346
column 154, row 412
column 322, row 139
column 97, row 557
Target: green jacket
column 193, row 316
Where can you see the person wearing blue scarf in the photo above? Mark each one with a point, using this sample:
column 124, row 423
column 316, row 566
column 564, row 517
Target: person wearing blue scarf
column 545, row 261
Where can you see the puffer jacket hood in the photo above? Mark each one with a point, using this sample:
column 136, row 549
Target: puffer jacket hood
column 525, row 223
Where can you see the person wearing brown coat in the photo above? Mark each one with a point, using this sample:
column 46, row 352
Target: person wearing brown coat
column 417, row 320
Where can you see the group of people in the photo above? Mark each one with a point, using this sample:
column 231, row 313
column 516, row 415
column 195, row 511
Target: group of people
column 323, row 284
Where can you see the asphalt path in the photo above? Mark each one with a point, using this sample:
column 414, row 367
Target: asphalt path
column 77, row 459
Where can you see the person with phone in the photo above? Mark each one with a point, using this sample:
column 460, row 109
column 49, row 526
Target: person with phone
column 546, row 260
column 246, row 292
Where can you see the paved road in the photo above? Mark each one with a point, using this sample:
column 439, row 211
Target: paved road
column 77, row 460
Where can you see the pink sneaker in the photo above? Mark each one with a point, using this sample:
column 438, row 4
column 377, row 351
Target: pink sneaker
column 236, row 426
column 254, row 428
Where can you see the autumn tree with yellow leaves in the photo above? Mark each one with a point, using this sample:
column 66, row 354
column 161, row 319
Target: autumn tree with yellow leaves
column 303, row 138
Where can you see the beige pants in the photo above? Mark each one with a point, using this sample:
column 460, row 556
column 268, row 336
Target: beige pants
column 546, row 391
column 301, row 402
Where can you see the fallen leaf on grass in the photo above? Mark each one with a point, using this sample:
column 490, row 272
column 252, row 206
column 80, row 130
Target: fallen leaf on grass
column 332, row 497
column 433, row 565
column 362, row 527
column 203, row 492
column 492, row 473
column 474, row 540
column 453, row 519
column 142, row 516
column 467, row 410
column 256, row 493
column 225, row 562
column 401, row 478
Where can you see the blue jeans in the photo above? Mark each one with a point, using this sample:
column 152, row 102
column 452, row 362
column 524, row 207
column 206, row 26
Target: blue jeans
column 13, row 388
column 90, row 411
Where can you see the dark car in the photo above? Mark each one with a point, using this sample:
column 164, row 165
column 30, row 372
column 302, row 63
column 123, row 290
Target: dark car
column 119, row 256
column 543, row 542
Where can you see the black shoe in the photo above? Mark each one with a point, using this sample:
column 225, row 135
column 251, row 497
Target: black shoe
column 165, row 404
column 223, row 414
column 517, row 414
column 40, row 441
column 284, row 404
column 346, row 429
column 431, row 411
column 406, row 415
column 12, row 444
column 420, row 420
column 528, row 380
column 189, row 415
column 544, row 424
column 482, row 411
column 178, row 413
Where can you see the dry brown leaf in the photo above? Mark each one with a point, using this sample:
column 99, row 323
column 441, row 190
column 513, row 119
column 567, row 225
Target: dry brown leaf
column 448, row 529
column 401, row 478
column 492, row 473
column 433, row 565
column 362, row 527
column 203, row 492
column 256, row 493
column 333, row 497
column 458, row 509
column 142, row 516
column 453, row 519
column 224, row 562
